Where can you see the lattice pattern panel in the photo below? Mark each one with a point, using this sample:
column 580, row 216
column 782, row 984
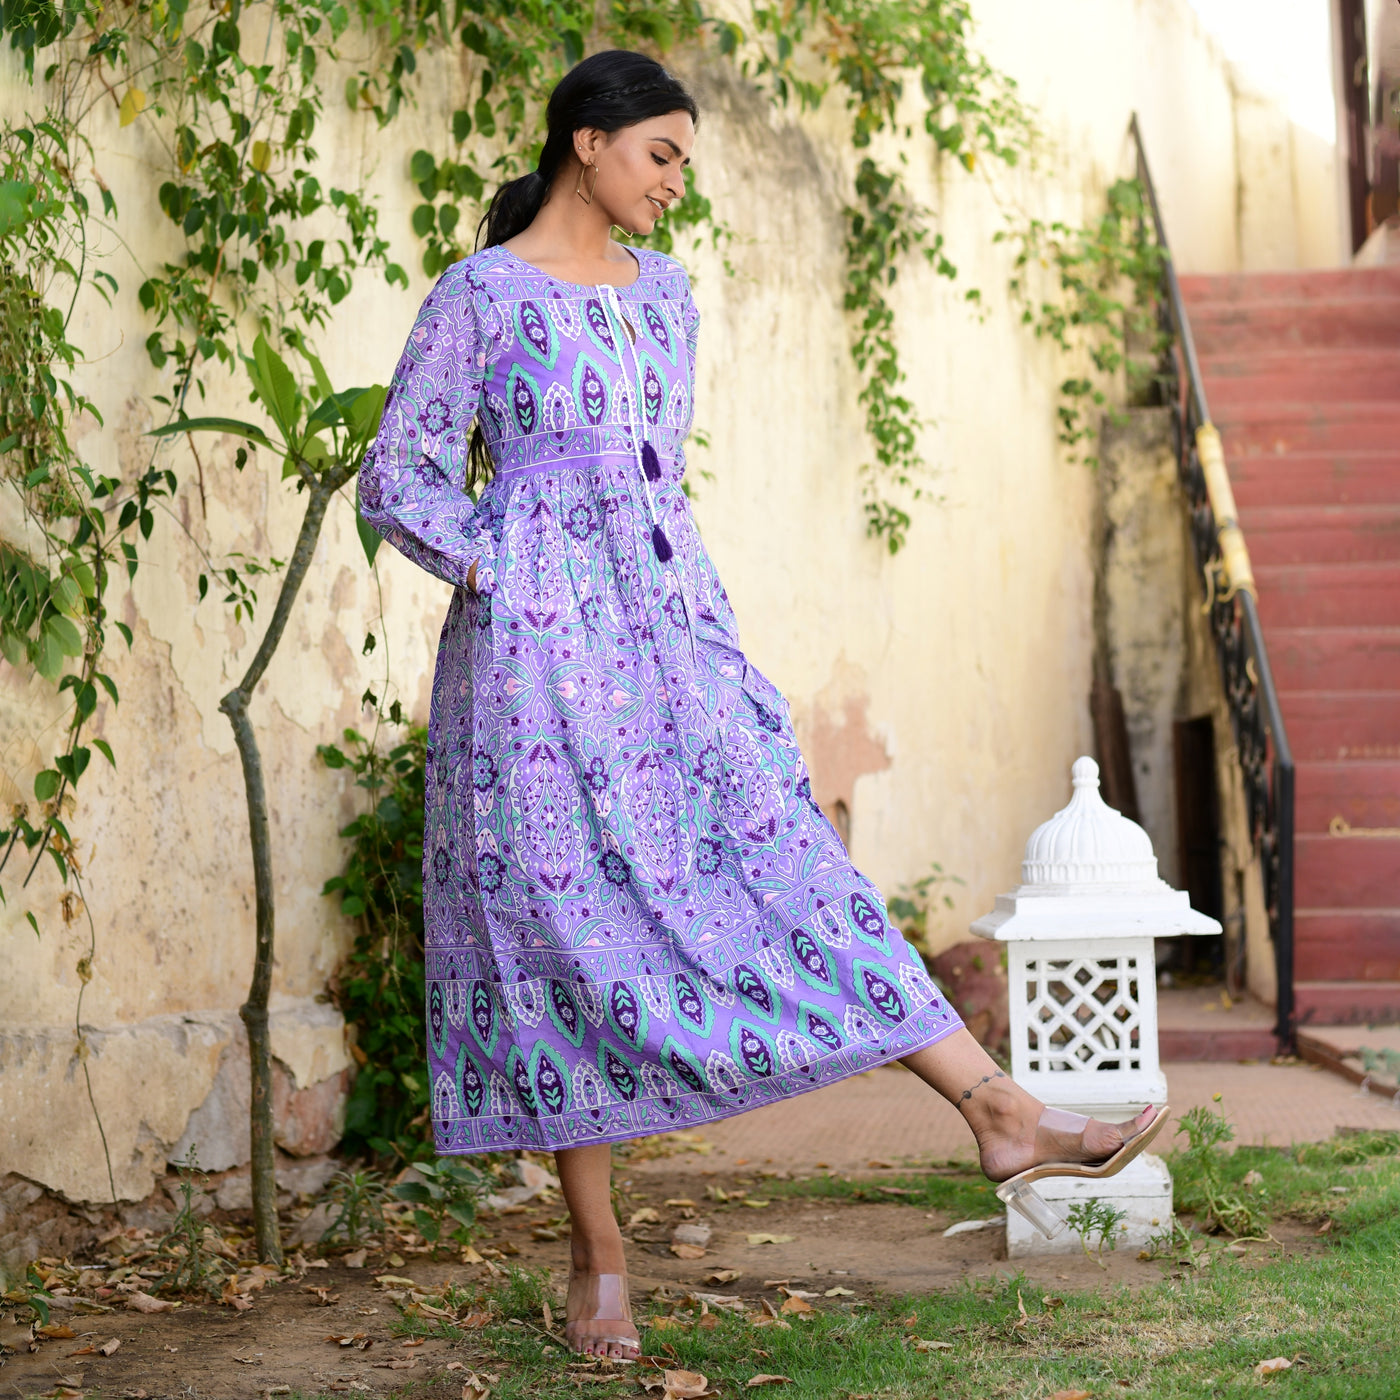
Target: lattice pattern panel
column 1083, row 1013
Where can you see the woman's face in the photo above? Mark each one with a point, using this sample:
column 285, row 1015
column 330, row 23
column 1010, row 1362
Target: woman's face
column 640, row 169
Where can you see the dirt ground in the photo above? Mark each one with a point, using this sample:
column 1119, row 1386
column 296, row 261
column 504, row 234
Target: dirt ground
column 287, row 1338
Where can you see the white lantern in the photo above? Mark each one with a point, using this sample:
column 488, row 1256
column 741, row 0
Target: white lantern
column 1082, row 981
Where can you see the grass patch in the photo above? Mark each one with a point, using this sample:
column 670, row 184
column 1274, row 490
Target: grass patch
column 962, row 1194
column 1200, row 1332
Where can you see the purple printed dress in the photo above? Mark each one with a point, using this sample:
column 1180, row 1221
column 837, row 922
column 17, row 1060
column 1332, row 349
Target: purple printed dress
column 637, row 919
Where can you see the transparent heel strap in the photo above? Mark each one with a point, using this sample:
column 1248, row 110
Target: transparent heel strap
column 1025, row 1200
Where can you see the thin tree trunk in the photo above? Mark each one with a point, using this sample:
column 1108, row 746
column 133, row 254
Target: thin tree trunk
column 254, row 1010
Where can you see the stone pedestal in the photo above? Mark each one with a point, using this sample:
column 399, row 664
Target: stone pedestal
column 1142, row 1190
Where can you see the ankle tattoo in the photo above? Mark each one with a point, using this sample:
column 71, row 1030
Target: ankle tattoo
column 986, row 1079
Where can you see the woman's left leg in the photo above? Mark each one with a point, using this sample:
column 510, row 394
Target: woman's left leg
column 1004, row 1118
column 598, row 1318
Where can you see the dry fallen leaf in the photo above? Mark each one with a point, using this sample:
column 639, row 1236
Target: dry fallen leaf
column 144, row 1303
column 680, row 1201
column 683, row 1385
column 15, row 1336
column 1070, row 1395
column 764, row 1379
column 470, row 1256
column 108, row 1348
column 355, row 1259
column 920, row 1344
column 839, row 1292
column 723, row 1275
column 1274, row 1363
column 648, row 1215
column 657, row 1324
column 475, row 1319
column 796, row 1306
column 475, row 1388
column 758, row 1239
column 396, row 1363
column 393, row 1281
column 57, row 1332
column 687, row 1251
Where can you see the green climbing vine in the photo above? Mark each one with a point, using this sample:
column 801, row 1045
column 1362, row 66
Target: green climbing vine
column 1100, row 306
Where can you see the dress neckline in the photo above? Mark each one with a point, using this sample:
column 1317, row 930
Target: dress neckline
column 580, row 286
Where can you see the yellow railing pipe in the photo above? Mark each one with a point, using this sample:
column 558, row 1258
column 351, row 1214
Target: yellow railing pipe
column 1234, row 556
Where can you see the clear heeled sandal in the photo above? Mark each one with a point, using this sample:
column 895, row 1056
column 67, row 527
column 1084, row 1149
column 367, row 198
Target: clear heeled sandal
column 600, row 1315
column 1018, row 1193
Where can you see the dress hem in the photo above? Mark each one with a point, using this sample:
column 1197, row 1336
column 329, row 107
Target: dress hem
column 879, row 1058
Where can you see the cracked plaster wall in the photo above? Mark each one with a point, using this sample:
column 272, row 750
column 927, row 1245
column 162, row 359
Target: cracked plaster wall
column 942, row 692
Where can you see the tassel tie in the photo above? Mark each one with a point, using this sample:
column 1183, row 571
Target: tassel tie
column 647, row 460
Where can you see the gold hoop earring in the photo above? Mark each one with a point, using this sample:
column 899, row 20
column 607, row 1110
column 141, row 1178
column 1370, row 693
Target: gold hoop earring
column 578, row 188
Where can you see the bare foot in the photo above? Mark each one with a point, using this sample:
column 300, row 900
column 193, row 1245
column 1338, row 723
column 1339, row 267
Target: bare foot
column 1011, row 1138
column 598, row 1313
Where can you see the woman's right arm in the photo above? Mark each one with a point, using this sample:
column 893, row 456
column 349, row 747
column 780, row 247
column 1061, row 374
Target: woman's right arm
column 411, row 477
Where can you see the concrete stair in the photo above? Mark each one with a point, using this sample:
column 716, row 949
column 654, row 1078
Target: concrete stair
column 1302, row 372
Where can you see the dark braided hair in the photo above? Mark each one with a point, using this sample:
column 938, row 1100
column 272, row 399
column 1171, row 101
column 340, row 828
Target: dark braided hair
column 607, row 91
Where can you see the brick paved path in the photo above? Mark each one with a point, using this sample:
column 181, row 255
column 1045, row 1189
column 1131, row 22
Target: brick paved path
column 889, row 1115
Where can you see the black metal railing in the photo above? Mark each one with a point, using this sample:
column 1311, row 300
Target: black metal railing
column 1266, row 761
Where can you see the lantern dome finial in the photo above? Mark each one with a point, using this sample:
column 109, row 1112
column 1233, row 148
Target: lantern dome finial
column 1088, row 843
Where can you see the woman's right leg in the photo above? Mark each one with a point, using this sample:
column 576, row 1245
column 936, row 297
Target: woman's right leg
column 598, row 1320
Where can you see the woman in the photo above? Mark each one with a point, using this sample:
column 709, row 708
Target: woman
column 637, row 919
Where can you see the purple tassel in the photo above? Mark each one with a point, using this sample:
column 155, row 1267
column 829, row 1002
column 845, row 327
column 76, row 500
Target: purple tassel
column 650, row 465
column 660, row 543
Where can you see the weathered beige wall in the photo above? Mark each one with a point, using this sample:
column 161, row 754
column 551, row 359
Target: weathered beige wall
column 942, row 693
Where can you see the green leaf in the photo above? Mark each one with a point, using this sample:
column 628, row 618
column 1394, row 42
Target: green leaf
column 276, row 386
column 65, row 634
column 46, row 784
column 105, row 749
column 370, row 538
column 414, row 1192
column 214, row 425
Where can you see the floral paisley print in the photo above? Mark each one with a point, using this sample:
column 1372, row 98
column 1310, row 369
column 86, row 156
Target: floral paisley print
column 637, row 920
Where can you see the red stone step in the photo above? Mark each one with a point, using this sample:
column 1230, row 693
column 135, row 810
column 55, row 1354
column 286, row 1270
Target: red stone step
column 1347, row 1003
column 1356, row 872
column 1311, row 285
column 1327, row 595
column 1342, row 658
column 1363, row 792
column 1338, row 945
column 1321, row 535
column 1309, row 376
column 1272, row 429
column 1221, row 328
column 1316, row 478
column 1337, row 724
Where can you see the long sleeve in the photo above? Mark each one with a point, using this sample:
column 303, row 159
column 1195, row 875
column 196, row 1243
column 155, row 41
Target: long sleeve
column 411, row 479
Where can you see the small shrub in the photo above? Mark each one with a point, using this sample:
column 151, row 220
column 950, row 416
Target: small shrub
column 1095, row 1218
column 379, row 988
column 359, row 1198
column 1200, row 1178
column 194, row 1267
column 449, row 1191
